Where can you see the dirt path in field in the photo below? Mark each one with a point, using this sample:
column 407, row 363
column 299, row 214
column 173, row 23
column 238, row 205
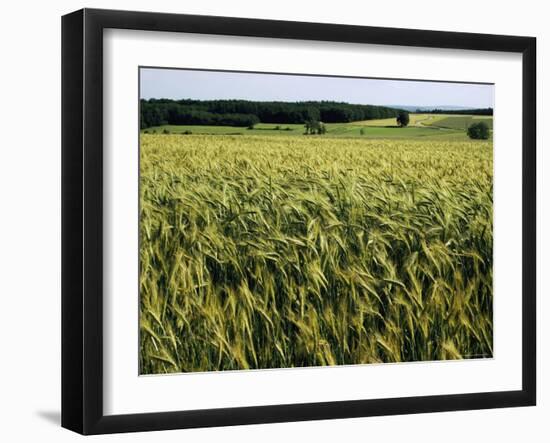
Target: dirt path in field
column 419, row 122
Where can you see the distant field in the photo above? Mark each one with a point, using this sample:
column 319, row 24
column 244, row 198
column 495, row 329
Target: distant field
column 259, row 129
column 458, row 121
column 448, row 121
column 425, row 126
column 415, row 120
column 382, row 132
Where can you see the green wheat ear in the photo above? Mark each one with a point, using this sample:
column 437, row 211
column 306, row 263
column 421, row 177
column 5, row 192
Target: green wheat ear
column 274, row 252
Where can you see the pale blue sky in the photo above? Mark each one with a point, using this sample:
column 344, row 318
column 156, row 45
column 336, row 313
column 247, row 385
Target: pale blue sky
column 206, row 85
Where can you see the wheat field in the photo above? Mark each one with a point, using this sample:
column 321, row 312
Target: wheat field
column 276, row 252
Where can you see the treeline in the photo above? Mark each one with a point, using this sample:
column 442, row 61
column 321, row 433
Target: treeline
column 157, row 112
column 481, row 111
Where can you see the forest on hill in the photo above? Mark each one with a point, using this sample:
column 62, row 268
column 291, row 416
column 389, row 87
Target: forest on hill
column 157, row 112
column 478, row 111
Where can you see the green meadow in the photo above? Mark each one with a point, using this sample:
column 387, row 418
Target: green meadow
column 421, row 126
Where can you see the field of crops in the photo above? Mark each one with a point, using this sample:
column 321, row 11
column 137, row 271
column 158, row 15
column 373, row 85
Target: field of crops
column 438, row 127
column 456, row 121
column 276, row 252
column 415, row 120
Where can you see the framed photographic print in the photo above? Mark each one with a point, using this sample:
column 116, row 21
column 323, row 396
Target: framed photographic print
column 269, row 221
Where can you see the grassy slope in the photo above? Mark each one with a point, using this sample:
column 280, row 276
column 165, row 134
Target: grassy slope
column 425, row 126
column 459, row 121
column 415, row 120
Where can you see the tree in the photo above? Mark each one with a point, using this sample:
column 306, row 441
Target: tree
column 312, row 113
column 478, row 131
column 403, row 118
column 313, row 127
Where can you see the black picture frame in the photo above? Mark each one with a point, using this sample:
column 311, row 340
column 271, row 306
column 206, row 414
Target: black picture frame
column 82, row 218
